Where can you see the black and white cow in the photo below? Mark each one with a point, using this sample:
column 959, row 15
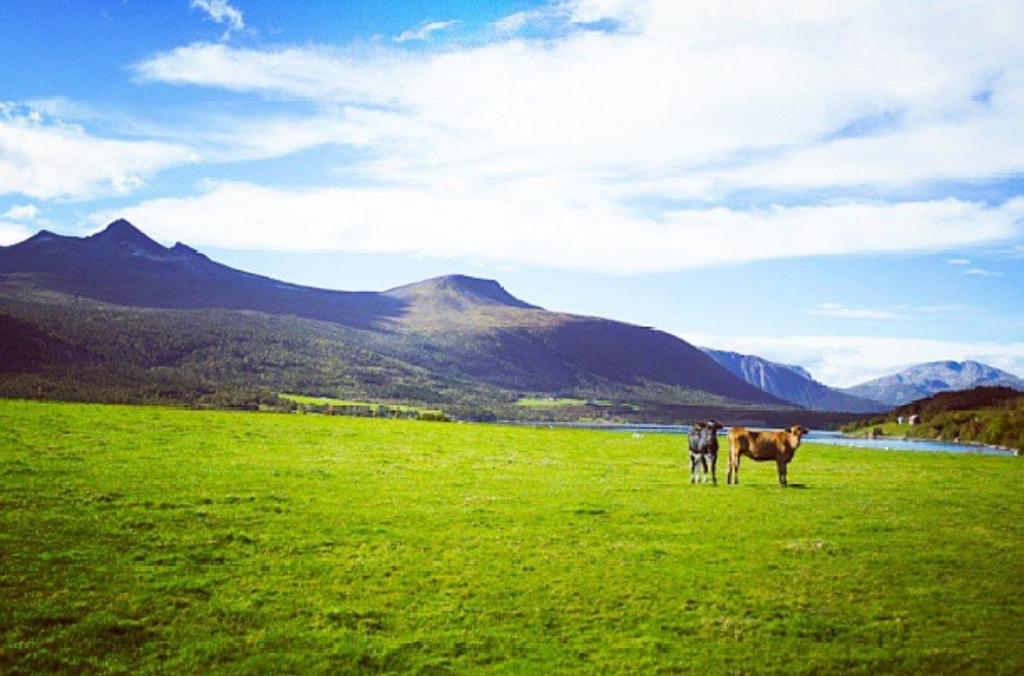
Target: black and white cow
column 704, row 450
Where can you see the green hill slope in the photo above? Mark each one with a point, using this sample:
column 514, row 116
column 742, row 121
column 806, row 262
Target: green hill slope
column 987, row 415
column 118, row 317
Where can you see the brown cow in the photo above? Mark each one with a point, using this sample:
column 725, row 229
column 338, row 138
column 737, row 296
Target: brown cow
column 761, row 446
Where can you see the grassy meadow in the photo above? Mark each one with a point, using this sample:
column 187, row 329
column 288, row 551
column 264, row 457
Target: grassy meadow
column 164, row 540
column 375, row 407
column 889, row 429
column 549, row 402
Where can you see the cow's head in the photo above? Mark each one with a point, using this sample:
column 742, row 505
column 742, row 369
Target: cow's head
column 798, row 431
column 714, row 425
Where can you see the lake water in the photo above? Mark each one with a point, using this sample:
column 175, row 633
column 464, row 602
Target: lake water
column 816, row 436
column 837, row 439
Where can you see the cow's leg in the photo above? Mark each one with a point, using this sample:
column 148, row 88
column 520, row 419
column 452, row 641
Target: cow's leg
column 734, row 469
column 704, row 468
column 713, row 460
column 693, row 467
column 781, row 465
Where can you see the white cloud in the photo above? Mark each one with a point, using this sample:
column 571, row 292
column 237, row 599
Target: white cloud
column 982, row 272
column 222, row 12
column 944, row 140
column 516, row 21
column 843, row 361
column 558, row 224
column 321, row 74
column 842, row 311
column 940, row 309
column 11, row 233
column 677, row 105
column 593, row 130
column 571, row 13
column 225, row 139
column 592, row 11
column 977, row 271
column 846, row 312
column 47, row 159
column 535, row 151
column 22, row 212
column 425, row 31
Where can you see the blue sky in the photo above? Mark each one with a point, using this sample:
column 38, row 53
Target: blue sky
column 837, row 186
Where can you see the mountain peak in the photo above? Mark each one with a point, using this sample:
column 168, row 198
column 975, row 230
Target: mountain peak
column 121, row 232
column 463, row 289
column 789, row 382
column 44, row 240
column 925, row 380
column 43, row 236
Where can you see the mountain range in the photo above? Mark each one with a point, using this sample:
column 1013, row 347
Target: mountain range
column 116, row 316
column 794, row 384
column 170, row 318
column 791, row 383
column 925, row 380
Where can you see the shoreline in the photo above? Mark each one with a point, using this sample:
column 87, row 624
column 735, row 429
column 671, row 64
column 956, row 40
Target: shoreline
column 968, row 444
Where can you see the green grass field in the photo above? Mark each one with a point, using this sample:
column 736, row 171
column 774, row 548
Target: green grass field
column 154, row 539
column 382, row 408
column 889, row 429
column 324, row 401
column 548, row 402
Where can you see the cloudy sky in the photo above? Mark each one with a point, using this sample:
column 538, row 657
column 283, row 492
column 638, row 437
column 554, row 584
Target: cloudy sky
column 839, row 185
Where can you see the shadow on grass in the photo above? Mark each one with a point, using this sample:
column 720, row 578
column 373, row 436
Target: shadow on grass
column 773, row 486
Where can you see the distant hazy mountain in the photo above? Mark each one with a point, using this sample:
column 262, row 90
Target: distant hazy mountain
column 924, row 380
column 440, row 336
column 791, row 383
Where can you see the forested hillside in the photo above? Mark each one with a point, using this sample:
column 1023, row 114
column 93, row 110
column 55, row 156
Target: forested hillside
column 119, row 317
column 987, row 415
